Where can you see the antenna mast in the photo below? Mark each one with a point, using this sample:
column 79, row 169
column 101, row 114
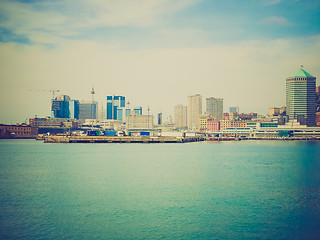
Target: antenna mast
column 92, row 96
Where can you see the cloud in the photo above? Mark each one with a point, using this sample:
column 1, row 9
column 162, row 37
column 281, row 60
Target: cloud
column 276, row 20
column 132, row 13
column 54, row 21
column 271, row 2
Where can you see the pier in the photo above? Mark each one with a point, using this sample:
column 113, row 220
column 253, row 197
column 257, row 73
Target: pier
column 118, row 139
column 159, row 139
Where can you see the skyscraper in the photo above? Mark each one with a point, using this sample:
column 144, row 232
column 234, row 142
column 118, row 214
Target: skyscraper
column 180, row 116
column 64, row 107
column 194, row 111
column 74, row 109
column 301, row 97
column 115, row 107
column 214, row 107
column 159, row 119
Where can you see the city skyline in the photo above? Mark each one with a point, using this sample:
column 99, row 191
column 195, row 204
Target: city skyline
column 154, row 53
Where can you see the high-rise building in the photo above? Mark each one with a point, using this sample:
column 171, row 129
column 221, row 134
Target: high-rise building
column 102, row 114
column 88, row 110
column 301, row 97
column 214, row 107
column 74, row 109
column 194, row 111
column 318, row 99
column 234, row 109
column 64, row 107
column 180, row 116
column 115, row 106
column 159, row 118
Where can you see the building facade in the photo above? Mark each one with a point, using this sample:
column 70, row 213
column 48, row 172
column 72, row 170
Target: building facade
column 159, row 119
column 234, row 109
column 139, row 122
column 301, row 97
column 180, row 116
column 88, row 110
column 203, row 118
column 213, row 125
column 115, row 107
column 64, row 107
column 274, row 111
column 224, row 124
column 194, row 111
column 17, row 131
column 214, row 107
column 318, row 119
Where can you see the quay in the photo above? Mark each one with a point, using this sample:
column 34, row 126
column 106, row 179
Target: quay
column 118, row 139
column 159, row 139
column 301, row 138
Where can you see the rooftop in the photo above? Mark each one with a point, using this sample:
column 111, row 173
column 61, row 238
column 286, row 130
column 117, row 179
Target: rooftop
column 301, row 73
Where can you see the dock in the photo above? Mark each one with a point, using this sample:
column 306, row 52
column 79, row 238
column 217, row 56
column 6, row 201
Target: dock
column 119, row 139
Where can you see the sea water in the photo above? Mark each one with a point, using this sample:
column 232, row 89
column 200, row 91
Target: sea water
column 226, row 190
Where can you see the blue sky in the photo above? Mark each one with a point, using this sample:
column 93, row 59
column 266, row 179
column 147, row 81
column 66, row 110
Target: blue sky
column 181, row 47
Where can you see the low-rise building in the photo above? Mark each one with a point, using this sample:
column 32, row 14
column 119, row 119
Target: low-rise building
column 47, row 122
column 111, row 124
column 17, row 131
column 224, row 124
column 213, row 125
column 274, row 111
column 139, row 122
column 203, row 122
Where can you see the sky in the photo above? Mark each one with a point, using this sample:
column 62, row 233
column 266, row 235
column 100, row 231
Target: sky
column 154, row 52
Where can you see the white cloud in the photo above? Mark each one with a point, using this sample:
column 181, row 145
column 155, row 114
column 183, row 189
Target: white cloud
column 51, row 22
column 23, row 19
column 271, row 2
column 276, row 20
column 132, row 13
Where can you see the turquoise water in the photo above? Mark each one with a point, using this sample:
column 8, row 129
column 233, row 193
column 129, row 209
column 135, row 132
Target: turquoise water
column 229, row 190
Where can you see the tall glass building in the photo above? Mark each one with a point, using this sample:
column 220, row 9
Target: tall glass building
column 301, row 97
column 64, row 107
column 114, row 107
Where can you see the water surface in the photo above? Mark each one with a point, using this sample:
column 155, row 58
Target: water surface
column 229, row 190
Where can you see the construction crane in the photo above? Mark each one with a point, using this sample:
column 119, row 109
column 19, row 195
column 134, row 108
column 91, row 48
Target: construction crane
column 46, row 90
column 53, row 92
